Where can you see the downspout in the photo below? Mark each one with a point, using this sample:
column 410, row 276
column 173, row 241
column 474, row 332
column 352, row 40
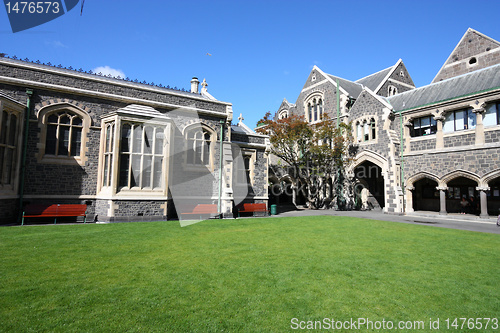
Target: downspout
column 219, row 206
column 338, row 104
column 402, row 159
column 29, row 92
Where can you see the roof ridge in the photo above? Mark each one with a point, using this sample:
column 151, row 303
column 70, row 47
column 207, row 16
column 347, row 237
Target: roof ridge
column 90, row 72
column 444, row 81
column 380, row 71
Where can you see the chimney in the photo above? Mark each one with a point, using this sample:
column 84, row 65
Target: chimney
column 194, row 85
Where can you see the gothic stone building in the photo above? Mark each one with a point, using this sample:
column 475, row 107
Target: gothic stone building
column 441, row 139
column 126, row 149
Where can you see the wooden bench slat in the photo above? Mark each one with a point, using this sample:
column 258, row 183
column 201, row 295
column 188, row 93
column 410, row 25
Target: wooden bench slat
column 202, row 209
column 252, row 208
column 55, row 210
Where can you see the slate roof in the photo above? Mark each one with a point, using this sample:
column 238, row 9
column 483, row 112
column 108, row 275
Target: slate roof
column 460, row 86
column 354, row 89
column 373, row 81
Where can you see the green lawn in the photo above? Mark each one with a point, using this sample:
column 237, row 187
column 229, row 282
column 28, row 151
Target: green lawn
column 247, row 275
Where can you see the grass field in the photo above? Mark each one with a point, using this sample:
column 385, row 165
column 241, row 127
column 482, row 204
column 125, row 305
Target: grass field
column 246, row 275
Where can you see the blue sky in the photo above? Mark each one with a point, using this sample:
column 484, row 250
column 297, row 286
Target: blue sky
column 261, row 51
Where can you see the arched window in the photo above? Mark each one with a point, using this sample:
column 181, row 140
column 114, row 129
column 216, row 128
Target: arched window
column 373, row 129
column 366, row 130
column 392, row 91
column 199, row 146
column 314, row 108
column 9, row 131
column 320, row 105
column 283, row 114
column 359, row 132
column 64, row 134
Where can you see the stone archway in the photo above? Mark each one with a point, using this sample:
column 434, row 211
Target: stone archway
column 370, row 172
column 491, row 186
column 462, row 185
column 420, row 192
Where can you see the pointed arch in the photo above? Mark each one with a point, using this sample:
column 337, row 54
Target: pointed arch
column 458, row 173
column 421, row 175
column 489, row 177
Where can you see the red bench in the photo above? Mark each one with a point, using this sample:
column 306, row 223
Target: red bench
column 252, row 208
column 55, row 210
column 203, row 210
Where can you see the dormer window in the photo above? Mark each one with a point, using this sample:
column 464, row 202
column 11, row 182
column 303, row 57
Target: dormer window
column 392, row 91
column 283, row 114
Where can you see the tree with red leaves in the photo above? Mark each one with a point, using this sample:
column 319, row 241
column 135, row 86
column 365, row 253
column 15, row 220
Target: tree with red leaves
column 313, row 156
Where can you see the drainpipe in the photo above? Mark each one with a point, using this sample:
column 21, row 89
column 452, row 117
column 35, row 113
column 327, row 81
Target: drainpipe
column 219, row 206
column 338, row 104
column 402, row 159
column 29, row 92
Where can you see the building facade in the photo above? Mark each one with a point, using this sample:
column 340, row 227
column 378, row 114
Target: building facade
column 131, row 151
column 419, row 149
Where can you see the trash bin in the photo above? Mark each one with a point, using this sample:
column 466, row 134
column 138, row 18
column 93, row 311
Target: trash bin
column 274, row 209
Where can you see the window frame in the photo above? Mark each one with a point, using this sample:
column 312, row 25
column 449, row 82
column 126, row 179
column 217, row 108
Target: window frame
column 314, row 107
column 211, row 149
column 420, row 131
column 365, row 130
column 493, row 105
column 43, row 123
column 114, row 185
column 10, row 141
column 467, row 112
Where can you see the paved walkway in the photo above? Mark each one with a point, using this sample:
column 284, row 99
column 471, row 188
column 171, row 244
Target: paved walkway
column 452, row 221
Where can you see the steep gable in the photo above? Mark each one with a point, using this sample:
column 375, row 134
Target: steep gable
column 395, row 79
column 473, row 52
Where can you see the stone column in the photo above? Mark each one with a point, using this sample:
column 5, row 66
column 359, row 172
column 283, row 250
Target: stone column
column 483, row 201
column 442, row 200
column 407, row 137
column 409, row 199
column 479, row 111
column 439, row 133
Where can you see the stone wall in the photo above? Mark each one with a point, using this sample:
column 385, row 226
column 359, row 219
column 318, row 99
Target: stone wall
column 428, row 143
column 476, row 161
column 459, row 140
column 491, row 136
column 485, row 51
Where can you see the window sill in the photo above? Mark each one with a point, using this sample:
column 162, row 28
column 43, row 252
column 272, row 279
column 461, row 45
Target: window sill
column 459, row 132
column 423, row 137
column 52, row 159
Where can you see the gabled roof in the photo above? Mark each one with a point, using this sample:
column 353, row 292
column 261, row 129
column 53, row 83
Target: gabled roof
column 353, row 89
column 285, row 104
column 471, row 83
column 376, row 80
column 453, row 54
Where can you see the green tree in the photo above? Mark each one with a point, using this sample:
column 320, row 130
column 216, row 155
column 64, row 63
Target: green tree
column 314, row 156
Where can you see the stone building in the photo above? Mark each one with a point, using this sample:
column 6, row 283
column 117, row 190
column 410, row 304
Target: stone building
column 131, row 151
column 441, row 139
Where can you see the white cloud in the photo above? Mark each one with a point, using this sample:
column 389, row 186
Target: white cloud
column 56, row 44
column 106, row 70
